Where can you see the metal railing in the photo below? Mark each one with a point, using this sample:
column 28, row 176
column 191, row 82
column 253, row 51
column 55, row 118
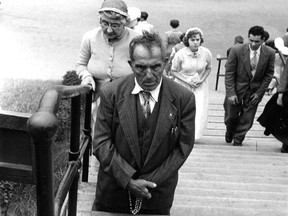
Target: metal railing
column 218, row 74
column 42, row 127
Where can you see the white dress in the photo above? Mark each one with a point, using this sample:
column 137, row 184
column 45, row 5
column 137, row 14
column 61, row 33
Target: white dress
column 192, row 66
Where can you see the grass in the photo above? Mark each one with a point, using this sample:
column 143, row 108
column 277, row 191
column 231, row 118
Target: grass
column 23, row 95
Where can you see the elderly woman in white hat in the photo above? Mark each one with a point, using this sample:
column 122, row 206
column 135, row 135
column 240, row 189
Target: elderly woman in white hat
column 104, row 51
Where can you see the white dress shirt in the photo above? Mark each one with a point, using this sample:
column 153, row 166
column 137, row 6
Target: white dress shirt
column 154, row 94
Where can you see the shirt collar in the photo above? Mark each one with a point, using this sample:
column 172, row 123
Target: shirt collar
column 193, row 54
column 154, row 93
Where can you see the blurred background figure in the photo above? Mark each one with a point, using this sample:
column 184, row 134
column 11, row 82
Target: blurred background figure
column 175, row 49
column 266, row 36
column 191, row 66
column 143, row 24
column 281, row 54
column 275, row 114
column 237, row 40
column 172, row 37
column 134, row 17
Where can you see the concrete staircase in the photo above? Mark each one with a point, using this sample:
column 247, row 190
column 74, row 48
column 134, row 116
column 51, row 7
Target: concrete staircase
column 219, row 179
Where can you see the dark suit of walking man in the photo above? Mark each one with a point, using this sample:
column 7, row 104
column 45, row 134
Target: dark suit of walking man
column 246, row 80
column 140, row 157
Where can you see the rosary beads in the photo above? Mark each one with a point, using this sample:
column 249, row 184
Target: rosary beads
column 138, row 204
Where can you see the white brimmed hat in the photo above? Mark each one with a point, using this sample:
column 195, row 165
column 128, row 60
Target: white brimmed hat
column 117, row 6
column 134, row 13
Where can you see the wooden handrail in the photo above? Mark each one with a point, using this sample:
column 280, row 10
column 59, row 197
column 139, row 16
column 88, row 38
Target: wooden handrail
column 42, row 127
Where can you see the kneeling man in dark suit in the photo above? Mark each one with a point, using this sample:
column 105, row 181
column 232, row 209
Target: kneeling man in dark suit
column 144, row 132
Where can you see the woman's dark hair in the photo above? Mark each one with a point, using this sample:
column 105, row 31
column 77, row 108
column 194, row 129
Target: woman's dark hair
column 182, row 36
column 190, row 35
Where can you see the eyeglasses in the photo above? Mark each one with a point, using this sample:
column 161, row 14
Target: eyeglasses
column 106, row 24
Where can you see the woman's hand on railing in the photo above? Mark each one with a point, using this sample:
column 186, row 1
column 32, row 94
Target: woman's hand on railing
column 88, row 80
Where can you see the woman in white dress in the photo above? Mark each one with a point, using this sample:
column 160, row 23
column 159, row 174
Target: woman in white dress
column 192, row 65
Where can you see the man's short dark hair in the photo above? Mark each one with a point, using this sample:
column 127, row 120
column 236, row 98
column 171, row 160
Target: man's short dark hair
column 144, row 15
column 174, row 23
column 257, row 31
column 147, row 40
column 239, row 39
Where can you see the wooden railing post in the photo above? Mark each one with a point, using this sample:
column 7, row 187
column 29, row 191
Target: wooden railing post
column 219, row 58
column 74, row 151
column 42, row 127
column 87, row 132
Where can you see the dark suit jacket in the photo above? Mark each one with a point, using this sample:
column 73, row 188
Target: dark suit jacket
column 238, row 76
column 116, row 143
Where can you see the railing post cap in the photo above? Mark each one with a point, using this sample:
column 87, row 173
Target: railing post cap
column 42, row 125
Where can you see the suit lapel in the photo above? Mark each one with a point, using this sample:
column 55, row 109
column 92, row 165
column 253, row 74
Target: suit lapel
column 127, row 116
column 262, row 60
column 246, row 60
column 167, row 114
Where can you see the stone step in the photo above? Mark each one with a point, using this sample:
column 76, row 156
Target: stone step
column 237, row 194
column 233, row 186
column 238, row 153
column 181, row 210
column 235, row 169
column 200, row 211
column 228, row 202
column 266, row 144
column 232, row 161
column 204, row 176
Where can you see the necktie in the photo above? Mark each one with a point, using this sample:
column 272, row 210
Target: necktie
column 254, row 61
column 146, row 106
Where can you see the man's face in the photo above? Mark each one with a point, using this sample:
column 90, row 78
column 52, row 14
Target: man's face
column 148, row 67
column 112, row 28
column 255, row 41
